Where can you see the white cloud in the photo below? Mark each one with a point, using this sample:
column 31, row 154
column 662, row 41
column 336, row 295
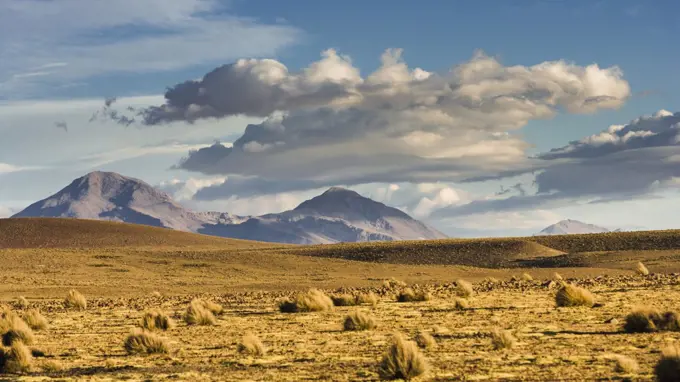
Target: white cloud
column 506, row 221
column 182, row 190
column 6, row 212
column 329, row 126
column 57, row 42
column 443, row 197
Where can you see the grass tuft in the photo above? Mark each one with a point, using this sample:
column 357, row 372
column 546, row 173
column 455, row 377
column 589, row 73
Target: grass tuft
column 668, row 367
column 35, row 320
column 75, row 300
column 313, row 300
column 344, row 300
column 425, row 340
column 368, row 298
column 16, row 359
column 403, row 360
column 571, row 295
column 527, row 277
column 198, row 314
column 502, row 339
column 463, row 288
column 641, row 269
column 460, row 304
column 13, row 329
column 356, row 321
column 409, row 295
column 647, row 320
column 214, row 308
column 625, row 364
column 22, row 302
column 156, row 320
column 251, row 344
column 145, row 342
column 557, row 277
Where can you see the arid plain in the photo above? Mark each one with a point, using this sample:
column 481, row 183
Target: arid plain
column 126, row 271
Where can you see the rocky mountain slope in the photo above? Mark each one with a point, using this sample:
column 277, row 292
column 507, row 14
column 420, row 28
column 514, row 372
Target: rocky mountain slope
column 338, row 215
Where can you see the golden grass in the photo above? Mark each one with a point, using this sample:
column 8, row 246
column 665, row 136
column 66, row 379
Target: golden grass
column 368, row 298
column 557, row 277
column 214, row 308
column 460, row 303
column 75, row 300
column 313, row 300
column 641, row 269
column 668, row 367
column 425, row 340
column 198, row 314
column 35, row 320
column 527, row 277
column 344, row 300
column 156, row 320
column 251, row 344
column 572, row 295
column 403, row 360
column 647, row 320
column 502, row 339
column 625, row 365
column 463, row 288
column 357, row 321
column 409, row 295
column 13, row 329
column 144, row 342
column 15, row 359
column 22, row 302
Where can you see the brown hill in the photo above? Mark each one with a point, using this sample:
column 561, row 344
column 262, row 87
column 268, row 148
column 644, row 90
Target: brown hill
column 78, row 233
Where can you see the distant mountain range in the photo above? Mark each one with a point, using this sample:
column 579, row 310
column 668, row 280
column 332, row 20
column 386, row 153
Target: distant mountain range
column 337, row 215
column 569, row 227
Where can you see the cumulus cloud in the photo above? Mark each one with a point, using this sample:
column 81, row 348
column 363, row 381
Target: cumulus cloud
column 623, row 162
column 6, row 212
column 182, row 190
column 328, row 125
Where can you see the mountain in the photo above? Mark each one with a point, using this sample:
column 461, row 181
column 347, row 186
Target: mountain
column 337, row 215
column 569, row 227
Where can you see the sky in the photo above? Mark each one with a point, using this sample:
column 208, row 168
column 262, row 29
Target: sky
column 487, row 118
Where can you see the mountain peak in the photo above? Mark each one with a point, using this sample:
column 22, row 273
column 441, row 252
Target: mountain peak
column 571, row 226
column 347, row 204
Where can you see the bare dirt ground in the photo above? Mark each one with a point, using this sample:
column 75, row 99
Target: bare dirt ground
column 249, row 279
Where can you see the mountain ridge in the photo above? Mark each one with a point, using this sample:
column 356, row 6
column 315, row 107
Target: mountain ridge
column 337, row 215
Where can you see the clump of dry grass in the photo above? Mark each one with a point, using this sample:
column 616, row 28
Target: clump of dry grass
column 409, row 295
column 425, row 340
column 156, row 319
column 571, row 295
column 625, row 364
column 156, row 294
column 394, row 283
column 344, row 300
column 35, row 320
column 13, row 329
column 527, row 277
column 75, row 300
column 646, row 320
column 145, row 342
column 491, row 280
column 557, row 277
column 198, row 314
column 356, row 321
column 463, row 288
column 15, row 359
column 52, row 366
column 403, row 360
column 313, row 300
column 668, row 367
column 368, row 298
column 214, row 308
column 22, row 302
column 641, row 269
column 460, row 304
column 251, row 344
column 502, row 339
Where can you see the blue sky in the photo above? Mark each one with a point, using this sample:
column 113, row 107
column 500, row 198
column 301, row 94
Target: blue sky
column 68, row 55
